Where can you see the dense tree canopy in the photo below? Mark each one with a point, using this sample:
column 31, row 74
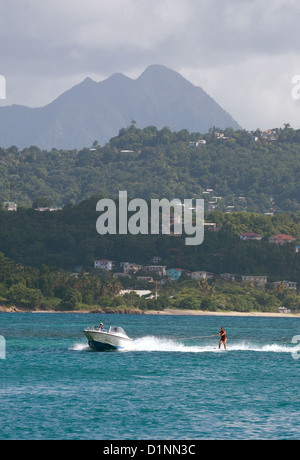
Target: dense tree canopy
column 260, row 176
column 68, row 238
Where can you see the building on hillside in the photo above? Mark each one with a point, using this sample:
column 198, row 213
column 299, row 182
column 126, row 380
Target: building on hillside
column 281, row 239
column 250, row 236
column 269, row 136
column 159, row 270
column 227, row 277
column 286, row 284
column 10, row 206
column 147, row 279
column 174, row 273
column 260, row 280
column 211, row 226
column 139, row 292
column 52, row 209
column 131, row 267
column 201, row 275
column 297, row 250
column 197, row 143
column 104, row 264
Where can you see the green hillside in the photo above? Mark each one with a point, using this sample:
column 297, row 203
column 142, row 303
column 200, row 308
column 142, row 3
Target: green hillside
column 40, row 251
column 68, row 238
column 246, row 171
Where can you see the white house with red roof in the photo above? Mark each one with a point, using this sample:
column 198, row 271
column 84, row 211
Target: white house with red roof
column 104, row 264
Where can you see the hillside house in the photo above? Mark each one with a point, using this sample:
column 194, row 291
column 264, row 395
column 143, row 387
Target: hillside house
column 281, row 239
column 287, row 284
column 10, row 206
column 139, row 292
column 159, row 270
column 269, row 136
column 131, row 267
column 104, row 264
column 52, row 209
column 260, row 280
column 227, row 277
column 193, row 144
column 147, row 279
column 201, row 275
column 250, row 236
column 221, row 136
column 174, row 273
column 211, row 226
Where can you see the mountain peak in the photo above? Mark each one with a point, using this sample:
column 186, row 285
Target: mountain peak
column 88, row 111
column 159, row 70
column 87, row 82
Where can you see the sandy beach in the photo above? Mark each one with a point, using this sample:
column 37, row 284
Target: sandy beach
column 220, row 313
column 167, row 311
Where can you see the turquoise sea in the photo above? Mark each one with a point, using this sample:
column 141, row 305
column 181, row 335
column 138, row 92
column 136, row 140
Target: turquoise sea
column 174, row 384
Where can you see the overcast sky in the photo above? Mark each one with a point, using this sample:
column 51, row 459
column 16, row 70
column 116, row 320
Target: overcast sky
column 243, row 53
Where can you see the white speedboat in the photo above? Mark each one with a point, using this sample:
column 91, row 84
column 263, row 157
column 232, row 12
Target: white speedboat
column 113, row 339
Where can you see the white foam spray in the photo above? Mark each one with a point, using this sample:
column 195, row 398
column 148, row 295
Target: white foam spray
column 164, row 344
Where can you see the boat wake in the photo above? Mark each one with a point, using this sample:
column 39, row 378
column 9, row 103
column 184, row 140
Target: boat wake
column 80, row 347
column 162, row 344
column 151, row 343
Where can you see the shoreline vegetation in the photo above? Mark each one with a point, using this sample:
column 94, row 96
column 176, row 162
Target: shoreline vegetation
column 165, row 312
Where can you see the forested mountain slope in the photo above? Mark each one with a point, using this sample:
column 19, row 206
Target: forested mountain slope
column 256, row 176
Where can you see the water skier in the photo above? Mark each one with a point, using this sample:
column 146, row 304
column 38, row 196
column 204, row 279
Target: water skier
column 223, row 339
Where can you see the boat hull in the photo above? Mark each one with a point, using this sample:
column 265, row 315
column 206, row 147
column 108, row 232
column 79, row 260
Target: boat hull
column 99, row 346
column 103, row 341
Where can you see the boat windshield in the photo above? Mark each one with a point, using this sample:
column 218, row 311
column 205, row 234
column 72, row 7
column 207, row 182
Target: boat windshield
column 117, row 330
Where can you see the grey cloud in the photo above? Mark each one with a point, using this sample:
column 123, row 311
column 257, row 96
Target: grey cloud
column 190, row 31
column 46, row 41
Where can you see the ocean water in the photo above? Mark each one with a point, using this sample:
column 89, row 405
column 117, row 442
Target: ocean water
column 173, row 384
